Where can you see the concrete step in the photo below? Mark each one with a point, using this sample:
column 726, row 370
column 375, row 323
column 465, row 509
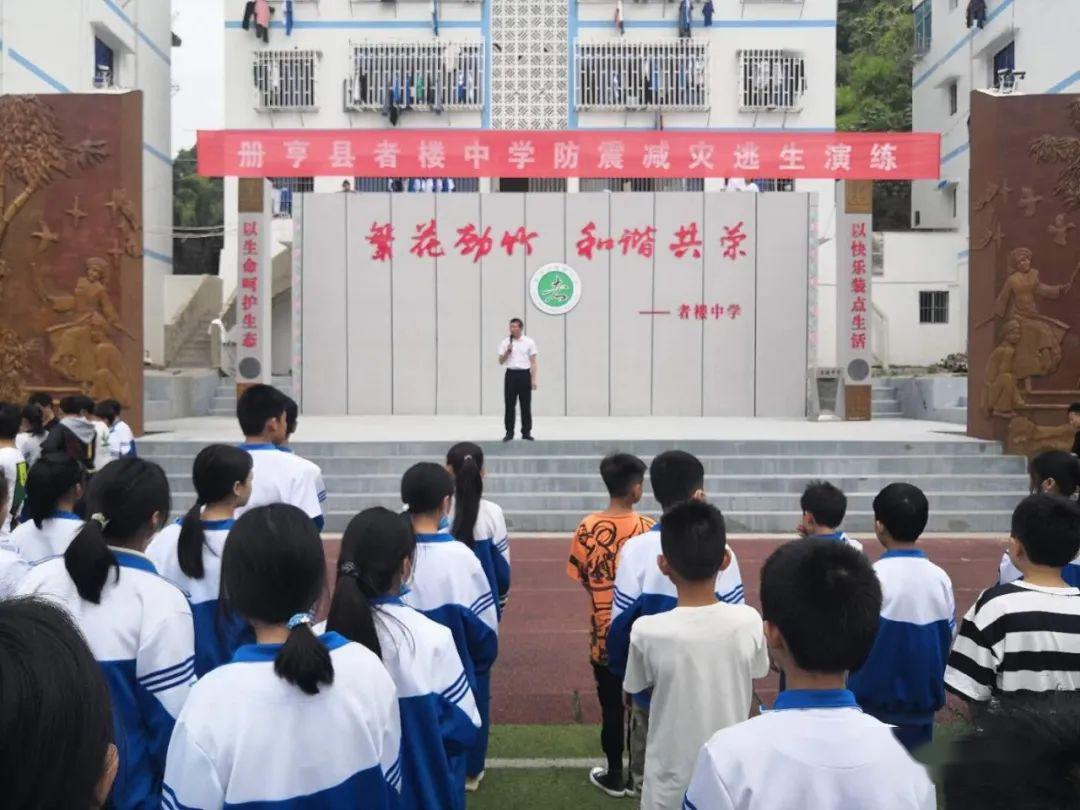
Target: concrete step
column 809, row 466
column 883, row 395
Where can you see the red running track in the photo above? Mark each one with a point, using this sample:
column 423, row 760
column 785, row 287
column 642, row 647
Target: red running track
column 543, row 675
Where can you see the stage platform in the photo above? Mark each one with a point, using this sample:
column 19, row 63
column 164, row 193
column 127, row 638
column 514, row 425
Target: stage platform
column 755, row 468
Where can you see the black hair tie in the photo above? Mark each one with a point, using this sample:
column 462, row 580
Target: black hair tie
column 349, row 570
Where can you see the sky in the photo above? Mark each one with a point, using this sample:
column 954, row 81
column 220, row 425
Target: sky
column 197, row 68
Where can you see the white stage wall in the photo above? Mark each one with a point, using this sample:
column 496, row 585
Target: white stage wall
column 418, row 335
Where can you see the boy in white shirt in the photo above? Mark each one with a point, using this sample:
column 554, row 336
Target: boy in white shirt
column 121, row 440
column 815, row 749
column 277, row 477
column 824, row 506
column 699, row 659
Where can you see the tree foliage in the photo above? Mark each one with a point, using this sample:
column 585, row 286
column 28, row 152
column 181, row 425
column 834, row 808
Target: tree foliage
column 198, row 202
column 875, row 54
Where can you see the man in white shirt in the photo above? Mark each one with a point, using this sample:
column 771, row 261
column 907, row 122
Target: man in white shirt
column 518, row 354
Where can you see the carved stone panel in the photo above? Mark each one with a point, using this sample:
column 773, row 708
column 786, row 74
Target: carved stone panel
column 71, row 292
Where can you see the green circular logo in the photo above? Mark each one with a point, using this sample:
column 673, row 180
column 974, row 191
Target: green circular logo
column 555, row 288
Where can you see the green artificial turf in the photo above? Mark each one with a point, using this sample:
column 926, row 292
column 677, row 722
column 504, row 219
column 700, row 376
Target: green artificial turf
column 550, row 789
column 545, row 742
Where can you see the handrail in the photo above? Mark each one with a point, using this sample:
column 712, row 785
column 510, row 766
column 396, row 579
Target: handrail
column 879, row 337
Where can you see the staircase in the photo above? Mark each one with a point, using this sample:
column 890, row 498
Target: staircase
column 195, row 351
column 224, row 401
column 884, row 402
column 549, row 486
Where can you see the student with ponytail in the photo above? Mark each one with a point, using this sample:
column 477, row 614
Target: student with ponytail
column 1054, row 472
column 53, row 487
column 449, row 586
column 296, row 720
column 188, row 552
column 476, row 521
column 439, row 719
column 137, row 624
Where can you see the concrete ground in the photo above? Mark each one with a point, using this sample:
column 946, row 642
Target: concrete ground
column 490, row 428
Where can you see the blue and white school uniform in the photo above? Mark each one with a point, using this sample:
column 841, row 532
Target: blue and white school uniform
column 903, row 680
column 839, row 537
column 121, row 440
column 141, row 634
column 1008, row 572
column 439, row 718
column 316, row 471
column 449, row 586
column 815, row 749
column 247, row 738
column 642, row 589
column 51, row 540
column 280, row 477
column 217, row 636
column 492, row 547
column 13, row 569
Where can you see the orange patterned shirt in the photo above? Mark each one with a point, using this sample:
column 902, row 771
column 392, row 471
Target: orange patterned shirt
column 593, row 554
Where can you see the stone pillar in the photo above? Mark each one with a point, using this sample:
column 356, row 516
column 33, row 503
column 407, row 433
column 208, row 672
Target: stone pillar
column 854, row 215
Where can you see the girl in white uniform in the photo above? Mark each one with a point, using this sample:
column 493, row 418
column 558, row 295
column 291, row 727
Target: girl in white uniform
column 138, row 625
column 296, row 720
column 449, row 586
column 12, row 567
column 438, row 713
column 53, row 487
column 188, row 552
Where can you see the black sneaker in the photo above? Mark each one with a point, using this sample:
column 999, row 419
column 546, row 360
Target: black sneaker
column 614, row 785
column 528, row 438
column 509, row 437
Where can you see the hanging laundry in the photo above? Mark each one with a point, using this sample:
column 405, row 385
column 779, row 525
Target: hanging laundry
column 707, row 12
column 408, row 91
column 288, row 18
column 249, row 14
column 619, row 24
column 461, row 86
column 262, row 20
column 976, row 13
column 420, row 97
column 684, row 18
column 435, row 16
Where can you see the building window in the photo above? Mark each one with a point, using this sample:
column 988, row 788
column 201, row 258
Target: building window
column 286, row 80
column 668, row 74
column 285, row 188
column 771, row 80
column 774, row 184
column 877, row 254
column 415, row 76
column 436, row 185
column 1004, row 65
column 934, row 306
column 105, row 65
column 642, row 184
column 951, row 191
column 954, row 97
column 923, row 27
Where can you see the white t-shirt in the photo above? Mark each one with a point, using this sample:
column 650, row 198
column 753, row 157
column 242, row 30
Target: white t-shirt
column 280, row 477
column 820, row 752
column 14, row 467
column 51, row 540
column 120, row 439
column 700, row 663
column 523, row 349
column 30, row 446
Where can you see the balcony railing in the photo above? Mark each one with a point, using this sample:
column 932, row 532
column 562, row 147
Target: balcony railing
column 436, row 75
column 666, row 74
column 771, row 81
column 286, row 81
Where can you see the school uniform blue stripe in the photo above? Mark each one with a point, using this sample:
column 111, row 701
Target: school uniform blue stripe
column 180, row 678
column 455, row 693
column 483, row 603
column 733, row 596
column 322, row 496
column 622, row 600
column 165, row 673
column 687, row 804
column 393, row 776
column 168, row 796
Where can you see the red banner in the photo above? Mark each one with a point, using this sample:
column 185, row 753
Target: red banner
column 572, row 153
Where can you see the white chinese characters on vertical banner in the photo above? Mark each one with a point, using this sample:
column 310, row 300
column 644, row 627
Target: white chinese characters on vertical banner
column 252, row 331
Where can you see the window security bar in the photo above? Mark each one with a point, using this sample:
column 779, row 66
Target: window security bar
column 665, row 74
column 436, row 75
column 771, row 80
column 286, row 80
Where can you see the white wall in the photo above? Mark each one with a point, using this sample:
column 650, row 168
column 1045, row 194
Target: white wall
column 48, row 47
column 916, row 262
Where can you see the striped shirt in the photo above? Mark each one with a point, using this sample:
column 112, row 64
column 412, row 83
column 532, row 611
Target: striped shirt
column 1017, row 637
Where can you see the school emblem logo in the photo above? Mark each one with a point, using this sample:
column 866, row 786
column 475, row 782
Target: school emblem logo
column 555, row 288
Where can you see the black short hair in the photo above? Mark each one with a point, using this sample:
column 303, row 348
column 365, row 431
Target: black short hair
column 77, row 403
column 825, row 599
column 676, row 476
column 1048, row 527
column 518, row 321
column 10, row 420
column 903, row 510
column 41, row 399
column 825, row 502
column 1074, row 408
column 292, row 414
column 56, row 710
column 108, row 409
column 1022, row 752
column 1063, row 467
column 694, row 539
column 621, row 471
column 258, row 405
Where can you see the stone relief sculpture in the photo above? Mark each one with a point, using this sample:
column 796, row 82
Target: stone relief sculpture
column 1064, row 150
column 1002, row 392
column 1059, row 229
